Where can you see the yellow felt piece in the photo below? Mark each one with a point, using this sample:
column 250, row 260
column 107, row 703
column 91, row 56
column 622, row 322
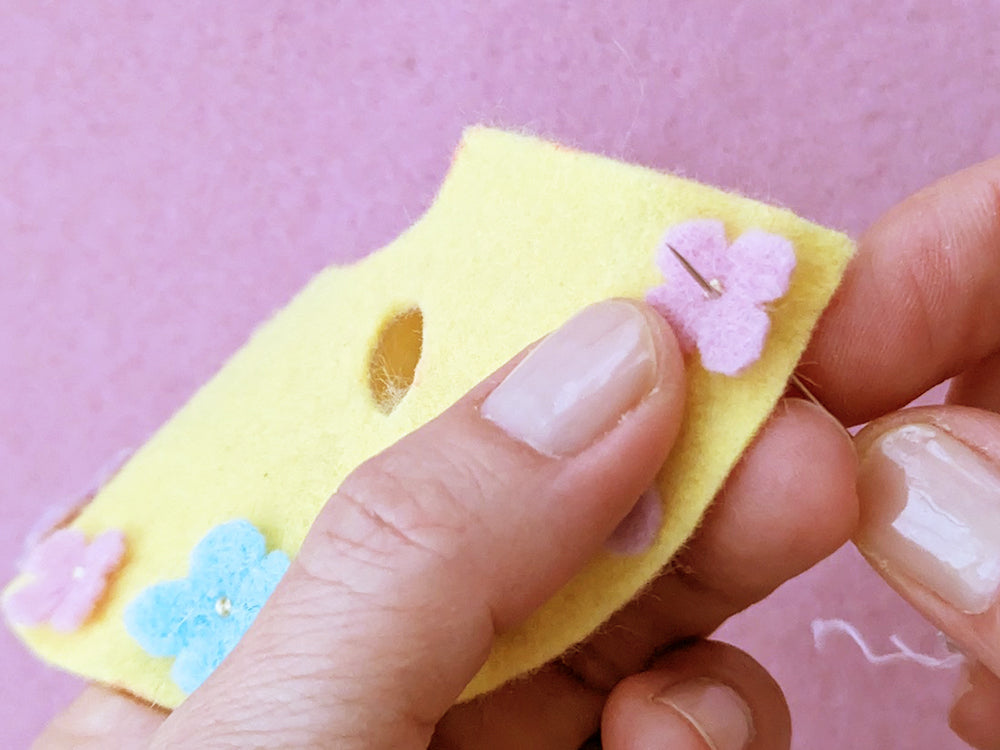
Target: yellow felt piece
column 522, row 235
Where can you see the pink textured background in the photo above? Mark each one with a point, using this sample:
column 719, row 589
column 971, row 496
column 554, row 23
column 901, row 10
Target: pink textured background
column 171, row 172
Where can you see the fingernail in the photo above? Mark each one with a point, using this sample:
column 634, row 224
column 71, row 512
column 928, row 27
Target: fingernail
column 930, row 509
column 715, row 711
column 579, row 381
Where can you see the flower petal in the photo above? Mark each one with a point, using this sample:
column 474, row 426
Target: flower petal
column 731, row 335
column 204, row 653
column 197, row 661
column 762, row 266
column 682, row 300
column 275, row 565
column 89, row 581
column 703, row 244
column 79, row 603
column 158, row 618
column 680, row 311
column 260, row 582
column 33, row 603
column 105, row 552
column 58, row 554
column 226, row 551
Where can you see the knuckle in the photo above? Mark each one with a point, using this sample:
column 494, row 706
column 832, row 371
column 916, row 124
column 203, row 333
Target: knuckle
column 404, row 510
column 362, row 535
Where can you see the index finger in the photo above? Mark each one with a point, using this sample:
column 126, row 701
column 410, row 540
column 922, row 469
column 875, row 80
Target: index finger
column 919, row 304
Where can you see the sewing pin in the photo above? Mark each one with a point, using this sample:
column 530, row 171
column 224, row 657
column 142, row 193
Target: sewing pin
column 713, row 290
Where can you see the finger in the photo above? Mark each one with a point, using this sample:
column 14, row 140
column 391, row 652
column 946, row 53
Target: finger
column 780, row 513
column 101, row 718
column 978, row 386
column 550, row 710
column 919, row 304
column 929, row 487
column 709, row 696
column 452, row 535
column 975, row 715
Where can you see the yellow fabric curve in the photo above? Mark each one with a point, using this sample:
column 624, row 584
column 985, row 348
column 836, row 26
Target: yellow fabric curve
column 522, row 235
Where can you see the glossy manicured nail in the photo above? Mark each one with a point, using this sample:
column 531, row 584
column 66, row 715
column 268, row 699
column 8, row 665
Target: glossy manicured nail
column 930, row 510
column 715, row 711
column 579, row 381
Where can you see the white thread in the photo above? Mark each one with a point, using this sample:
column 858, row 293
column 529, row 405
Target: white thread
column 821, row 629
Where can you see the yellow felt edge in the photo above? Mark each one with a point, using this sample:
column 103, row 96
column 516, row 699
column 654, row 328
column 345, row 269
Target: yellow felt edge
column 522, row 234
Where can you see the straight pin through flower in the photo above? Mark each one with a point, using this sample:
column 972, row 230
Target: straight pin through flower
column 713, row 290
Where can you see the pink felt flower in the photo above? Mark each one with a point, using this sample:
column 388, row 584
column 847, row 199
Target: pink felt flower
column 67, row 579
column 730, row 325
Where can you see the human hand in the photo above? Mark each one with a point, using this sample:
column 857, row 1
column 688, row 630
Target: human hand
column 305, row 674
column 457, row 533
column 930, row 477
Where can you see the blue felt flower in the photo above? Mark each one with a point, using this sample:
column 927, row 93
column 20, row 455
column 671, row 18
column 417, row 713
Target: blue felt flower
column 201, row 618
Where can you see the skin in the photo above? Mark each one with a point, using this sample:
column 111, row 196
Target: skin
column 405, row 580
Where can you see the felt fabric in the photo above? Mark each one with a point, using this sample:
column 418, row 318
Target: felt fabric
column 273, row 434
column 64, row 579
column 201, row 618
column 728, row 326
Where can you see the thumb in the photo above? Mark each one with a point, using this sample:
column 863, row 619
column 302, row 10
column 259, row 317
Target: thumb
column 929, row 487
column 451, row 536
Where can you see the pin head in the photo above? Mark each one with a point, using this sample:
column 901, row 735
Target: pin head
column 223, row 607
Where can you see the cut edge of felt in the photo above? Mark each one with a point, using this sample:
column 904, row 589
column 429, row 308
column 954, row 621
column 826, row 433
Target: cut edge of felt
column 548, row 199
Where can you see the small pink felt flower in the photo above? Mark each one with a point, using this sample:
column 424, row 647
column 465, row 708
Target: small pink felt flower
column 730, row 325
column 67, row 579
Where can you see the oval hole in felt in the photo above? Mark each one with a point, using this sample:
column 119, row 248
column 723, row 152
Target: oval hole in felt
column 394, row 359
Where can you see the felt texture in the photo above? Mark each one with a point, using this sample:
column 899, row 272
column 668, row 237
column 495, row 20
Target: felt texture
column 64, row 579
column 201, row 618
column 273, row 434
column 175, row 172
column 728, row 325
